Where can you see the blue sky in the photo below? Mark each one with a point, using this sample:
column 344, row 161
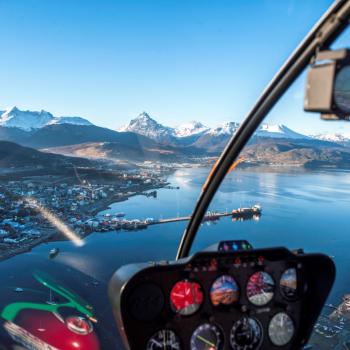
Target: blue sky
column 178, row 60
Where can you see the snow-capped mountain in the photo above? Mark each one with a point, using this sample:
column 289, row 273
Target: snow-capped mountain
column 225, row 129
column 147, row 126
column 25, row 120
column 341, row 138
column 278, row 131
column 32, row 120
column 190, row 129
column 144, row 125
column 265, row 130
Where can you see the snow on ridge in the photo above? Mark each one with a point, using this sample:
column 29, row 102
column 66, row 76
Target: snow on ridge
column 278, row 131
column 332, row 137
column 32, row 120
column 70, row 120
column 272, row 128
column 190, row 128
column 224, row 129
column 25, row 120
column 147, row 126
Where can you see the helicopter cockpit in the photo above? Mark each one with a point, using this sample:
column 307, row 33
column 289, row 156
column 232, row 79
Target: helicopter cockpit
column 227, row 299
column 228, row 296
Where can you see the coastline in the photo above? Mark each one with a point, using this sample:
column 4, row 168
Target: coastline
column 50, row 234
column 28, row 246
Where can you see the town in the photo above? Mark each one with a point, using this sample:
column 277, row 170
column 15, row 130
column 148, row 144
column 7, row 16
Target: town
column 27, row 204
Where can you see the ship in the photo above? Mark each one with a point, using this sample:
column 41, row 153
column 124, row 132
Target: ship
column 53, row 253
column 245, row 213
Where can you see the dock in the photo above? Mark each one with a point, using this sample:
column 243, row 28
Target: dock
column 211, row 217
column 114, row 223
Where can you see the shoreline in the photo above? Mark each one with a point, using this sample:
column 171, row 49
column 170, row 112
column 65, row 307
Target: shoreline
column 105, row 204
column 27, row 247
column 50, row 234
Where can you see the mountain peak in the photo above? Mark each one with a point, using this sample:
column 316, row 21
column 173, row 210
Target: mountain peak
column 191, row 128
column 145, row 125
column 278, row 131
column 13, row 109
column 228, row 128
column 31, row 120
column 25, row 120
column 143, row 120
column 143, row 115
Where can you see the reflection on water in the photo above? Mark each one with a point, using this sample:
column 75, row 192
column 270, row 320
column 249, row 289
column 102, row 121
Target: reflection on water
column 303, row 209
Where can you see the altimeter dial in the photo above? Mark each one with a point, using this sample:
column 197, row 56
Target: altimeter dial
column 164, row 339
column 246, row 334
column 207, row 337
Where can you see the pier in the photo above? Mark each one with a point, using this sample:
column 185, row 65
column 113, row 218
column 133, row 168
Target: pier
column 210, row 217
column 114, row 222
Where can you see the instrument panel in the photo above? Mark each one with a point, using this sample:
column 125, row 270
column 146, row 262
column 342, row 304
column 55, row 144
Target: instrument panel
column 245, row 300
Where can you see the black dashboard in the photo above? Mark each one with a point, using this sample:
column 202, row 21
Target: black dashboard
column 241, row 300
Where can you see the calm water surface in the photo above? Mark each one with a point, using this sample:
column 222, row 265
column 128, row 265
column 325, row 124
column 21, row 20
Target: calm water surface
column 300, row 209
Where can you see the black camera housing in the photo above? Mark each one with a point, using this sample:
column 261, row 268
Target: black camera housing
column 320, row 92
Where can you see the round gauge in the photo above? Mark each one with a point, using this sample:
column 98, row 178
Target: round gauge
column 207, row 337
column 164, row 340
column 224, row 291
column 289, row 283
column 281, row 329
column 246, row 334
column 260, row 288
column 186, row 297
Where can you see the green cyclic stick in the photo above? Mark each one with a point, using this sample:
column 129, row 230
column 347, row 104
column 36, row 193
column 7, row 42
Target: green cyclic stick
column 10, row 311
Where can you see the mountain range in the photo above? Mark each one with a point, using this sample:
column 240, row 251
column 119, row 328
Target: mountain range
column 213, row 140
column 199, row 135
column 143, row 138
column 339, row 138
column 147, row 126
column 15, row 121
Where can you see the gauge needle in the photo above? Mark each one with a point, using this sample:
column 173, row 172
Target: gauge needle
column 262, row 291
column 178, row 295
column 206, row 341
column 157, row 342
